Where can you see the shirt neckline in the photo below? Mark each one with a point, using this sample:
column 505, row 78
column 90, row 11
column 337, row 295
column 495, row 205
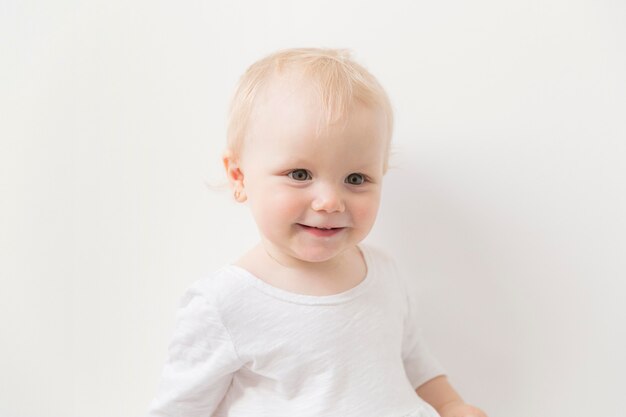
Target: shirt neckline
column 293, row 297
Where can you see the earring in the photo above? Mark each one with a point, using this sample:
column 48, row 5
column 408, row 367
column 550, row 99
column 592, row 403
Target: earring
column 237, row 194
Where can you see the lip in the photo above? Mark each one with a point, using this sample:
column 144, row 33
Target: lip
column 320, row 232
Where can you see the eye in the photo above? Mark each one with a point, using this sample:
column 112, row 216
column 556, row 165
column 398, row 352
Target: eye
column 355, row 179
column 299, row 174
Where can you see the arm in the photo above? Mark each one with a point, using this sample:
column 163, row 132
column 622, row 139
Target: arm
column 420, row 366
column 439, row 393
column 201, row 362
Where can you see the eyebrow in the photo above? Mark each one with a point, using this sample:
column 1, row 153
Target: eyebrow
column 299, row 162
column 295, row 160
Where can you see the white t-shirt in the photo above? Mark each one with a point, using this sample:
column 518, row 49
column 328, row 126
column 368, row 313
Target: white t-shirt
column 242, row 347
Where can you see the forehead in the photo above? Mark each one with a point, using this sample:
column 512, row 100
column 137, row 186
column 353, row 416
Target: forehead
column 291, row 95
column 291, row 106
column 289, row 125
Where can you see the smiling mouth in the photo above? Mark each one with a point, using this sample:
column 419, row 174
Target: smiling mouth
column 320, row 228
column 321, row 233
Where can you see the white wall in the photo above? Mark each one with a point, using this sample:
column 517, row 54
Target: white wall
column 508, row 199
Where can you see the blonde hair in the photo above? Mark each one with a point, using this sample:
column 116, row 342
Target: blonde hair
column 339, row 80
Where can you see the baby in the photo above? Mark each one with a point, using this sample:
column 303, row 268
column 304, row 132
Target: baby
column 310, row 321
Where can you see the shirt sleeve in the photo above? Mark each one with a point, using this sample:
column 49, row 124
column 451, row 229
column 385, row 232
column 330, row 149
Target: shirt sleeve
column 200, row 364
column 419, row 363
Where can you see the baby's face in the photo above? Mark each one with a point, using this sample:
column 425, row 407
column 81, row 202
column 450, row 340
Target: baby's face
column 297, row 181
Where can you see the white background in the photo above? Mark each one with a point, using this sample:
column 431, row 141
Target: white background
column 506, row 201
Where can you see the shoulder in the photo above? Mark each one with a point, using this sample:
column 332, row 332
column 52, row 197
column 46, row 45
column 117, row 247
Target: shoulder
column 385, row 263
column 380, row 257
column 216, row 289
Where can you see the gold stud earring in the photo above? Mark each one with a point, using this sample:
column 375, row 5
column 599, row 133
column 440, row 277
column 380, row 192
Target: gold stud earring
column 237, row 194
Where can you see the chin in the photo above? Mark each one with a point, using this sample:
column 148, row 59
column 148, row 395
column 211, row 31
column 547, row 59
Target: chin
column 322, row 254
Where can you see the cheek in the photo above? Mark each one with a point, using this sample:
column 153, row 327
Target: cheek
column 365, row 209
column 287, row 202
column 276, row 207
column 285, row 205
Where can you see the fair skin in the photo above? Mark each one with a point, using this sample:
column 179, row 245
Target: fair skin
column 441, row 395
column 296, row 179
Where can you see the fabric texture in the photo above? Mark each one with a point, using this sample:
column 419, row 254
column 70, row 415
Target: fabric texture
column 241, row 347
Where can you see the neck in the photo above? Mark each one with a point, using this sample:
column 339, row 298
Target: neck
column 288, row 263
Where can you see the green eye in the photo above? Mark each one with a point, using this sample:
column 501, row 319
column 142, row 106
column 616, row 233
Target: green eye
column 299, row 174
column 355, row 179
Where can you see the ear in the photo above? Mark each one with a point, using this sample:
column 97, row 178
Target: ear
column 234, row 174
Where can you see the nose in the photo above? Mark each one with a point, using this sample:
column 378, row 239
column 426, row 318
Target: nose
column 328, row 198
